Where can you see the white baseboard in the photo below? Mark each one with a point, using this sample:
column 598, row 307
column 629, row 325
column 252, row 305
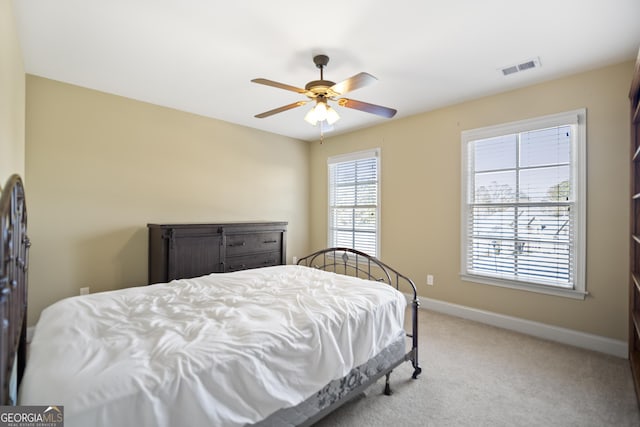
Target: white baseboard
column 541, row 330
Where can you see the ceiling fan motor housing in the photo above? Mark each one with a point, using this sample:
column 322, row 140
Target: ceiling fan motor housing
column 320, row 87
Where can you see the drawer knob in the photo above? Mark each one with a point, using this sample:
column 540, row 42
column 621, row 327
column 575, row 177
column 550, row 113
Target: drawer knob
column 236, row 244
column 270, row 241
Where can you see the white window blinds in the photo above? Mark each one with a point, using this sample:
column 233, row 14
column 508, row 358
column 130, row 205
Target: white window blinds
column 354, row 201
column 523, row 207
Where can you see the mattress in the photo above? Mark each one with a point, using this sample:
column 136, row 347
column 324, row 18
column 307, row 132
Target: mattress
column 224, row 349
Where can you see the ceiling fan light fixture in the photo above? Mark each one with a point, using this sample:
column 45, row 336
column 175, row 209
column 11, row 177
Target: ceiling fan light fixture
column 321, row 112
column 310, row 117
column 332, row 116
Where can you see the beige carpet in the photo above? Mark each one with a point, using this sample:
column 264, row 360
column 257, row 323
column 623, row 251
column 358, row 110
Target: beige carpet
column 478, row 375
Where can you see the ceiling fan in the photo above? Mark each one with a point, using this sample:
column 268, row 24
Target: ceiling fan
column 321, row 91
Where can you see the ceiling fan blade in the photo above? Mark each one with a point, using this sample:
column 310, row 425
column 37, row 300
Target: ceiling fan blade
column 366, row 107
column 353, row 83
column 279, row 85
column 280, row 110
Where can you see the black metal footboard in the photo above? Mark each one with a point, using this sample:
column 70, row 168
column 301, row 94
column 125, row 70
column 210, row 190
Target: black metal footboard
column 14, row 248
column 352, row 262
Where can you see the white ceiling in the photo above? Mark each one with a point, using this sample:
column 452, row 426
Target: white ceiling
column 200, row 55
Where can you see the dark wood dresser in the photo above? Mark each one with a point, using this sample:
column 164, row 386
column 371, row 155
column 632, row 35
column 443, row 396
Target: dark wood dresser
column 181, row 251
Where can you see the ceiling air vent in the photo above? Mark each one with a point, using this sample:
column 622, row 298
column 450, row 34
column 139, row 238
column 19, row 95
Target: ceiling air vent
column 526, row 65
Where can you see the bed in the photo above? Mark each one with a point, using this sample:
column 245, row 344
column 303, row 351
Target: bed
column 282, row 345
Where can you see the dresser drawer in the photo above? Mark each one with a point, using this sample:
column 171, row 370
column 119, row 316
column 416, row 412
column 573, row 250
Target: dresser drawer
column 244, row 262
column 241, row 244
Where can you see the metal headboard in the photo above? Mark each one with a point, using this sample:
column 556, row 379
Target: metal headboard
column 14, row 261
column 352, row 262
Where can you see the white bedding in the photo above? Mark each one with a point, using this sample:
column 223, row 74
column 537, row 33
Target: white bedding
column 219, row 350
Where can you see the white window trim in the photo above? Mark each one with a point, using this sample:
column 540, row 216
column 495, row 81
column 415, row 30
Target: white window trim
column 579, row 172
column 347, row 157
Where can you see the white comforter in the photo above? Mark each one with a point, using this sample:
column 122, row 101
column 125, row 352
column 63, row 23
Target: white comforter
column 219, row 350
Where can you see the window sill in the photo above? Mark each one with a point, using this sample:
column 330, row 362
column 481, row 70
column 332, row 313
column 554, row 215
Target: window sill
column 530, row 287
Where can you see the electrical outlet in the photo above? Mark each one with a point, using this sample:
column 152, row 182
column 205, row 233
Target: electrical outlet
column 294, row 260
column 430, row 279
column 84, row 291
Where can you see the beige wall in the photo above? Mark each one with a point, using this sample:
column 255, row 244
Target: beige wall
column 124, row 163
column 421, row 197
column 12, row 97
column 100, row 167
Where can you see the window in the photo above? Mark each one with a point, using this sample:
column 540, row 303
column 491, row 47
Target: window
column 354, row 201
column 523, row 204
